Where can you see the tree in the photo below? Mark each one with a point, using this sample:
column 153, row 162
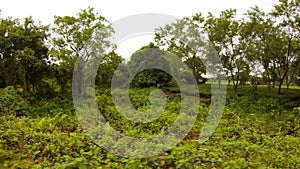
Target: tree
column 260, row 36
column 149, row 56
column 224, row 33
column 23, row 52
column 293, row 73
column 186, row 39
column 107, row 68
column 288, row 16
column 72, row 39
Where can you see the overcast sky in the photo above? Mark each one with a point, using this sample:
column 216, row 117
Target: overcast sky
column 112, row 10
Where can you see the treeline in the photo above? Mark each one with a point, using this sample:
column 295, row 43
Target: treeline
column 262, row 48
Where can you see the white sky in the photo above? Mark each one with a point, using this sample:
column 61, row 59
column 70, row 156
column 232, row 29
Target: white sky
column 112, row 10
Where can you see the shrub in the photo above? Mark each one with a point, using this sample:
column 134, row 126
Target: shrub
column 12, row 103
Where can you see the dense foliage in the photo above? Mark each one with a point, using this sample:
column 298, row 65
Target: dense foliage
column 264, row 133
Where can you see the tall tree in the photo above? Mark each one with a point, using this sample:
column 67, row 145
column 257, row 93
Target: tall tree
column 287, row 13
column 186, row 39
column 224, row 33
column 71, row 41
column 260, row 37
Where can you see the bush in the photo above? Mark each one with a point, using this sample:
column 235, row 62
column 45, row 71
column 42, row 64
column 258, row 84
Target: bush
column 12, row 103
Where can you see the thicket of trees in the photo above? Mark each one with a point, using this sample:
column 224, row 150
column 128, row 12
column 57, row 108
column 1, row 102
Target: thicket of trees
column 263, row 48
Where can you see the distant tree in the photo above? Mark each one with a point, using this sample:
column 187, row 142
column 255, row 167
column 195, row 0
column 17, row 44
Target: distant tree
column 107, row 68
column 149, row 55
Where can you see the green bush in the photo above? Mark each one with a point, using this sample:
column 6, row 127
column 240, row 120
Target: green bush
column 12, row 103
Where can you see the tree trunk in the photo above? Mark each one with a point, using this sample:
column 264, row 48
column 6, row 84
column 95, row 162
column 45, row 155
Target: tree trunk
column 287, row 82
column 281, row 82
column 237, row 81
column 279, row 86
column 234, row 84
column 196, row 78
column 235, row 87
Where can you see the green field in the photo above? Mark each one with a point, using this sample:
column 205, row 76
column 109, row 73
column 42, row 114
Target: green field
column 257, row 130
